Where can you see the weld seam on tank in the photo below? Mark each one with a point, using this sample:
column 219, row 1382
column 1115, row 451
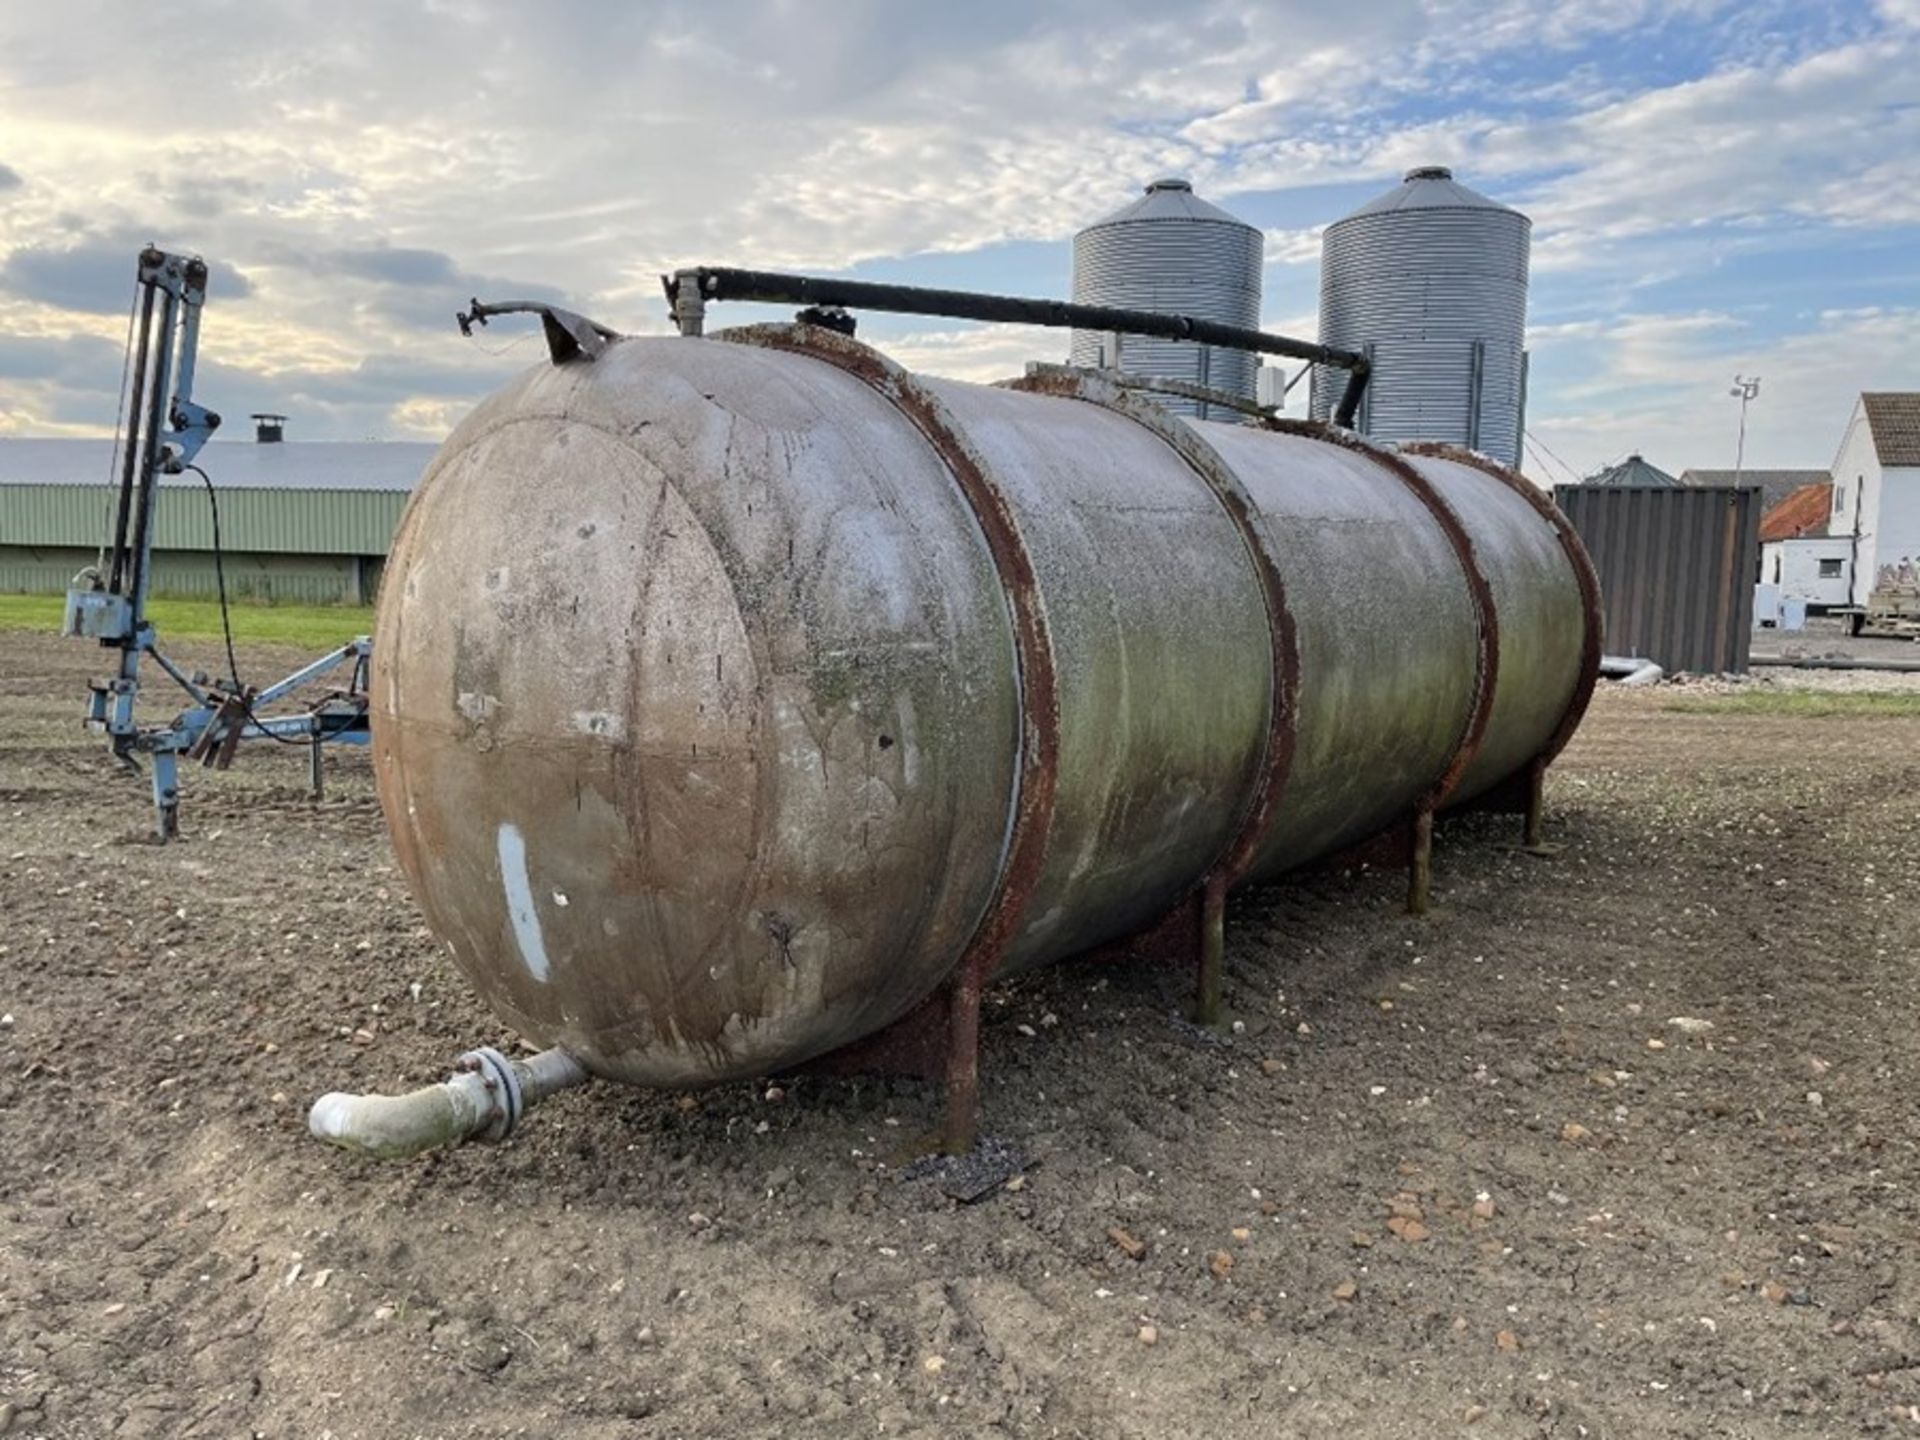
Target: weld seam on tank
column 1592, row 638
column 1037, row 764
column 1486, row 681
column 1178, row 435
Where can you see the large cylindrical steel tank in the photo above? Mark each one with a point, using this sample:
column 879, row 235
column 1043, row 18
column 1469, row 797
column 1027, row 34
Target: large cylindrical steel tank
column 1173, row 252
column 1430, row 281
column 719, row 683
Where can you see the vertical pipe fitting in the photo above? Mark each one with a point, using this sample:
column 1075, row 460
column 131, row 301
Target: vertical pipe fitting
column 689, row 303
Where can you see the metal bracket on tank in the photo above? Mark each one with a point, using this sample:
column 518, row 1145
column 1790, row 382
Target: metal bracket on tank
column 1412, row 838
column 828, row 317
column 1158, row 385
column 1195, row 928
column 942, row 1036
column 569, row 336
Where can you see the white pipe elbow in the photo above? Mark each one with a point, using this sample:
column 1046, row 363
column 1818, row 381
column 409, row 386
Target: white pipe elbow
column 483, row 1099
column 1631, row 669
column 392, row 1127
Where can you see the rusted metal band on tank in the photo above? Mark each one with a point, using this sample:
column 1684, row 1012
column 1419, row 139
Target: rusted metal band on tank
column 1486, row 679
column 1037, row 774
column 1584, row 575
column 1283, row 708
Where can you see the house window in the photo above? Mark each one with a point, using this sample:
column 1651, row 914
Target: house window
column 1839, row 498
column 1830, row 569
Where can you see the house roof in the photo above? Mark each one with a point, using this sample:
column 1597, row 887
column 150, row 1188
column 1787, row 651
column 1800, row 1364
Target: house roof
column 1775, row 485
column 1634, row 470
column 1893, row 417
column 1801, row 516
column 231, row 464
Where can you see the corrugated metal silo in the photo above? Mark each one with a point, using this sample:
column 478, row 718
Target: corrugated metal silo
column 1430, row 280
column 1172, row 251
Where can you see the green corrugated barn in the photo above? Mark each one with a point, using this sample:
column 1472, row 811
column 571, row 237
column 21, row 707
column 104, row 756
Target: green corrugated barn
column 305, row 522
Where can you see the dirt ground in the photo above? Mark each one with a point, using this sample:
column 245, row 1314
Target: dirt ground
column 1698, row 1229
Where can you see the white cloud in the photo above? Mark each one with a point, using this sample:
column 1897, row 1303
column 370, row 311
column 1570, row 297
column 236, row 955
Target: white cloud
column 1294, row 247
column 586, row 145
column 1662, row 388
column 1832, row 138
column 983, row 355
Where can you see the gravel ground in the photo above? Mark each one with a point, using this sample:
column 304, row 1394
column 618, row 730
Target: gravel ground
column 1615, row 1143
column 1829, row 639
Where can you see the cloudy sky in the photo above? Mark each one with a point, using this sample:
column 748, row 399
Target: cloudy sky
column 1715, row 187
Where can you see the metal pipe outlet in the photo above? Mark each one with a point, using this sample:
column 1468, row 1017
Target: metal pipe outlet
column 483, row 1099
column 734, row 696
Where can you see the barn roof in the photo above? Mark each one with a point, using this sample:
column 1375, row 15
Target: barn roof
column 231, row 464
column 1775, row 485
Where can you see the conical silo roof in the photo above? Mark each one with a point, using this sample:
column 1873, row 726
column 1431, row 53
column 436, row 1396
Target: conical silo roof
column 1634, row 470
column 1169, row 199
column 1429, row 187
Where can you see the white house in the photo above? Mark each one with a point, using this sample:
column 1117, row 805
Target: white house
column 1815, row 568
column 1876, row 493
column 1800, row 557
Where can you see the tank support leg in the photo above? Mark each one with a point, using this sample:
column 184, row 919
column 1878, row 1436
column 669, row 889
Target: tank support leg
column 939, row 1040
column 1420, row 862
column 1211, row 951
column 961, row 1124
column 1533, row 836
column 313, row 762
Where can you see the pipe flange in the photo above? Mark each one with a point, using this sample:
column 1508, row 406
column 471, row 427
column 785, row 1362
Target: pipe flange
column 503, row 1084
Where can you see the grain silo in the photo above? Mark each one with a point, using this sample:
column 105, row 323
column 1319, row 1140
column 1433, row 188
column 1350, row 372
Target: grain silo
column 1430, row 281
column 1171, row 251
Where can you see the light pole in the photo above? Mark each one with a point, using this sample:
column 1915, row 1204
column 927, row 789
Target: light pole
column 1744, row 390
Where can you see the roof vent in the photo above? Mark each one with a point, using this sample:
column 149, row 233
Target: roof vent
column 1428, row 172
column 1170, row 182
column 268, row 429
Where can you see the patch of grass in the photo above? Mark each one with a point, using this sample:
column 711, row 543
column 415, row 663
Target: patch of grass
column 315, row 627
column 1807, row 704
